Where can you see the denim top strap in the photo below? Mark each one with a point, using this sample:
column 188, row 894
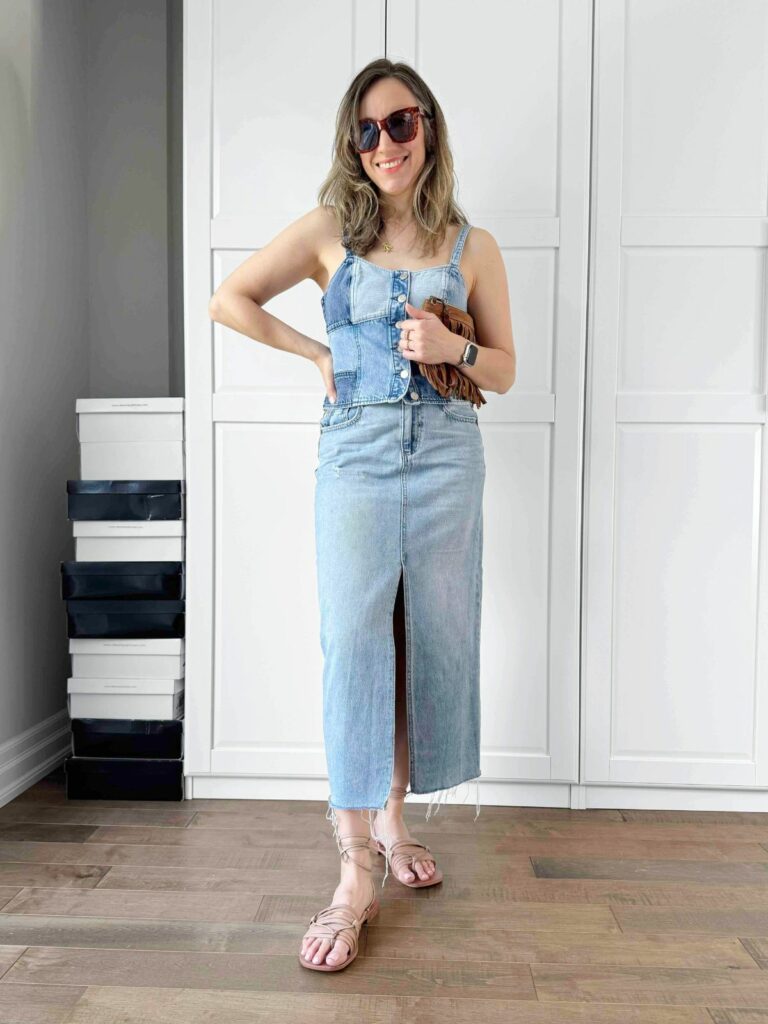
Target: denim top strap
column 457, row 249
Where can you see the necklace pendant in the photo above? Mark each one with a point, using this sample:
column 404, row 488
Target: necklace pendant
column 388, row 247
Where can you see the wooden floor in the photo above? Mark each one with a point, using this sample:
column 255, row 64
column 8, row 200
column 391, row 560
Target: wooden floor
column 192, row 913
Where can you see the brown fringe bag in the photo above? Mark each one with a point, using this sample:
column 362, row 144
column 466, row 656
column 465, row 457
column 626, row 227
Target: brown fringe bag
column 446, row 379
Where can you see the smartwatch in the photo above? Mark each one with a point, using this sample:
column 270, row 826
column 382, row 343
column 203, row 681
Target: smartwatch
column 469, row 358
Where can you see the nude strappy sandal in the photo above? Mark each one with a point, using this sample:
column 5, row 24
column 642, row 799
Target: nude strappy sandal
column 404, row 853
column 341, row 920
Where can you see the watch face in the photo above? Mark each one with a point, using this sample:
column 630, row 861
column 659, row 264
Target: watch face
column 470, row 354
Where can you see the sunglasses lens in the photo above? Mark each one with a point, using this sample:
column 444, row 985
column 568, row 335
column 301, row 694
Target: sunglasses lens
column 367, row 136
column 401, row 126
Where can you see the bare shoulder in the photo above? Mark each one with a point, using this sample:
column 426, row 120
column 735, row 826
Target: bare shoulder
column 322, row 227
column 480, row 252
column 318, row 232
column 298, row 252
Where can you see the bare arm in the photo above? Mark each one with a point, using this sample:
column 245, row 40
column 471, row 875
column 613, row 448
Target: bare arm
column 496, row 366
column 291, row 257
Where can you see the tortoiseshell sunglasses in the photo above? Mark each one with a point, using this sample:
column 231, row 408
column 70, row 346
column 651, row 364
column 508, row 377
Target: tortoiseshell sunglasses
column 401, row 126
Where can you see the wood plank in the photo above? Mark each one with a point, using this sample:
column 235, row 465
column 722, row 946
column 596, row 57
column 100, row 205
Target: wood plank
column 94, row 815
column 436, row 912
column 183, row 906
column 177, row 906
column 503, row 866
column 650, row 870
column 702, row 817
column 617, row 893
column 122, row 1005
column 8, row 956
column 391, row 942
column 7, row 892
column 736, row 1016
column 640, row 985
column 60, row 876
column 111, row 933
column 285, row 881
column 624, row 846
column 52, row 787
column 610, row 831
column 119, row 1005
column 568, row 946
column 294, row 860
column 29, row 831
column 38, row 1004
column 176, row 856
column 371, row 976
column 289, row 879
column 451, row 820
column 757, row 947
column 465, row 846
column 729, row 921
column 222, row 838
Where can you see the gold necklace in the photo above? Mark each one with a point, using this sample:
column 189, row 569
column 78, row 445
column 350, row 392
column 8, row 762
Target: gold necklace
column 387, row 246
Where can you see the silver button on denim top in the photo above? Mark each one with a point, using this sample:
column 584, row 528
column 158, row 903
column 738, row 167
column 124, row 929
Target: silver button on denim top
column 362, row 305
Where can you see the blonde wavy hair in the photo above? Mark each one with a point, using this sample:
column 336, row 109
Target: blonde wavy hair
column 354, row 198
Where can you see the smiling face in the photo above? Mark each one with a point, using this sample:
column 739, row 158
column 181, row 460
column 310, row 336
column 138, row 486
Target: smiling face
column 385, row 96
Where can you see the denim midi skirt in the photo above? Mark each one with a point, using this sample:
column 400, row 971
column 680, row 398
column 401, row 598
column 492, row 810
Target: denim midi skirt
column 399, row 489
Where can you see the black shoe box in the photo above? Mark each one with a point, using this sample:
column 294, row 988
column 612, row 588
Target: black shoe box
column 127, row 738
column 125, row 499
column 127, row 618
column 120, row 778
column 122, row 580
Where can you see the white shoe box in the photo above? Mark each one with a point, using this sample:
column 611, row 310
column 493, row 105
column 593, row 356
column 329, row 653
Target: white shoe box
column 131, row 438
column 127, row 658
column 132, row 460
column 101, row 420
column 125, row 698
column 128, row 540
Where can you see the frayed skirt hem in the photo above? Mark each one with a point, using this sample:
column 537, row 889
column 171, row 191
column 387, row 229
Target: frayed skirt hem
column 438, row 798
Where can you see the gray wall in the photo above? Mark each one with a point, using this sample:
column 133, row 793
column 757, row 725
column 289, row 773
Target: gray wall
column 174, row 95
column 90, row 285
column 127, row 144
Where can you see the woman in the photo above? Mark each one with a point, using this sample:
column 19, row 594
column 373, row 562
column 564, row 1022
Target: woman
column 400, row 474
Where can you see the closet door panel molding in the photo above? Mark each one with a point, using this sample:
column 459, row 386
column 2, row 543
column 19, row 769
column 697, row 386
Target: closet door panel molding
column 675, row 568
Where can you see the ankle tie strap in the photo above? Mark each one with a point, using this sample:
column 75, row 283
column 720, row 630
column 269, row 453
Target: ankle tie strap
column 353, row 842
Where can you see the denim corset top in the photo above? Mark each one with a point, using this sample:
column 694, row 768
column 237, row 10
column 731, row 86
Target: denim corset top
column 361, row 306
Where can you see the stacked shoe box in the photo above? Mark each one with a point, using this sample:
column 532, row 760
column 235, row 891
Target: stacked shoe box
column 125, row 597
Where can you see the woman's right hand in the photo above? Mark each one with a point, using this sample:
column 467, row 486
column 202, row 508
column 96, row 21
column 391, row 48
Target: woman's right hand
column 324, row 363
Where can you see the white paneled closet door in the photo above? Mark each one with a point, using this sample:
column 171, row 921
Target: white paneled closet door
column 262, row 84
column 675, row 564
column 514, row 81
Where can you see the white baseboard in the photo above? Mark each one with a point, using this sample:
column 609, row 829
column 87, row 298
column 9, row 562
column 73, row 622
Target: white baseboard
column 498, row 794
column 30, row 756
column 669, row 798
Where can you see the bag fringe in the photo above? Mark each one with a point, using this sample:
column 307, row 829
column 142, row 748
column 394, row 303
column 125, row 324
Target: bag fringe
column 446, row 379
